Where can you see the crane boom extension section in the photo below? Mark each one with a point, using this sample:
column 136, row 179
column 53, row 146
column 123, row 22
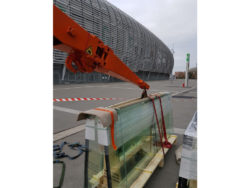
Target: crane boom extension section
column 86, row 52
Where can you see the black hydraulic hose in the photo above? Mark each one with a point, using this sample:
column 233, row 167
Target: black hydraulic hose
column 62, row 174
column 106, row 149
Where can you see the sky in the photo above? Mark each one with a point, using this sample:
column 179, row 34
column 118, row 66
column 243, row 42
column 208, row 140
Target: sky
column 172, row 21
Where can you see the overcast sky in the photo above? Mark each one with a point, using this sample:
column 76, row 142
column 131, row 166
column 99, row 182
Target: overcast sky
column 173, row 21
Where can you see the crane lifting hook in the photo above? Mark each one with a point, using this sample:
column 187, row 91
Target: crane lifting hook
column 144, row 94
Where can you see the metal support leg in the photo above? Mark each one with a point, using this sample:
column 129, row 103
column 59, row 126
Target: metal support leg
column 106, row 149
column 183, row 183
column 86, row 164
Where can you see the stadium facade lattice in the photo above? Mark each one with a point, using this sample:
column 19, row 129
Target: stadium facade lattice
column 135, row 45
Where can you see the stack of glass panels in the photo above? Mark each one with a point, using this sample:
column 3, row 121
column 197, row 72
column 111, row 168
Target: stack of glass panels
column 188, row 168
column 136, row 136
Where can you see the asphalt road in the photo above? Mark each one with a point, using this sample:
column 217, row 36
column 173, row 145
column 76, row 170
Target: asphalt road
column 65, row 116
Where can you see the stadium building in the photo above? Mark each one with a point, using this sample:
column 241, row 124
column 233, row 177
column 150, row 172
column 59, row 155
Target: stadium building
column 135, row 45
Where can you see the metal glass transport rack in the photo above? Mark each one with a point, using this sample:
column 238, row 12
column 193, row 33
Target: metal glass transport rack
column 121, row 145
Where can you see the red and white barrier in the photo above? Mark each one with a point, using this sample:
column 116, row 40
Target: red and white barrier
column 83, row 99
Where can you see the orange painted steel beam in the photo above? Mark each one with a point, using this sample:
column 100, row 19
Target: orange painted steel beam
column 87, row 53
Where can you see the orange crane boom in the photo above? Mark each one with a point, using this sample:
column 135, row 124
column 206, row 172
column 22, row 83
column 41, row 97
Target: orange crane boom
column 87, row 53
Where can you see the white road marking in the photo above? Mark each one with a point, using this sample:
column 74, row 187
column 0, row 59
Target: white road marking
column 68, row 132
column 185, row 91
column 68, row 110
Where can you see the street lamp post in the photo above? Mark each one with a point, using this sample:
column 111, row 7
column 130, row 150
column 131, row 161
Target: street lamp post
column 187, row 68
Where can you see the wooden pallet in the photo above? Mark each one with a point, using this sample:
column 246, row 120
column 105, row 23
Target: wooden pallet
column 158, row 160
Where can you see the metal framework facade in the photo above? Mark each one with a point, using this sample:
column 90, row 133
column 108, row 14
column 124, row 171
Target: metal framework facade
column 135, row 45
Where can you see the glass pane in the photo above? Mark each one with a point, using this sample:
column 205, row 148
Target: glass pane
column 136, row 137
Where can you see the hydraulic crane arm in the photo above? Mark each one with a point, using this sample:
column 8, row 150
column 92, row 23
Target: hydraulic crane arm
column 87, row 53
